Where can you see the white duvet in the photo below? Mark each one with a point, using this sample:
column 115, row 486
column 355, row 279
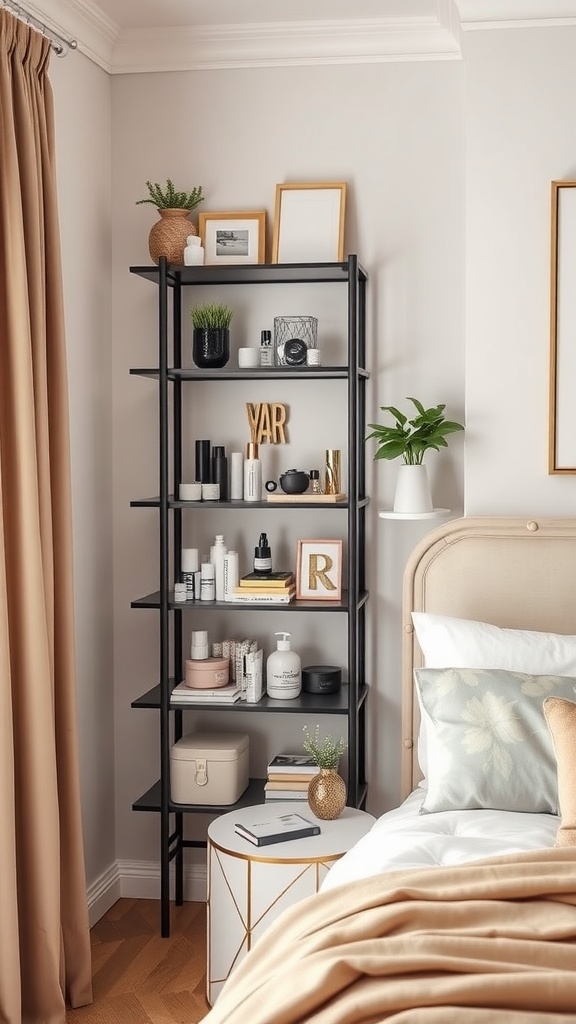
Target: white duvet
column 403, row 838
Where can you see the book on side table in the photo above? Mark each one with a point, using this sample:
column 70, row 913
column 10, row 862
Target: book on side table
column 278, row 829
column 292, row 764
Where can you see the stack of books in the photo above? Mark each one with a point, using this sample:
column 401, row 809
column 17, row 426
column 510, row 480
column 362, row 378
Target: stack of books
column 289, row 776
column 277, row 830
column 275, row 588
column 182, row 694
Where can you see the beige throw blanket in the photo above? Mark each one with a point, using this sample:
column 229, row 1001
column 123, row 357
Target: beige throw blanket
column 492, row 942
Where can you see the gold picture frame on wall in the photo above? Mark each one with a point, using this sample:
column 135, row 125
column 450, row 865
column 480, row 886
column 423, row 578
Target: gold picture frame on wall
column 309, row 222
column 562, row 411
column 233, row 238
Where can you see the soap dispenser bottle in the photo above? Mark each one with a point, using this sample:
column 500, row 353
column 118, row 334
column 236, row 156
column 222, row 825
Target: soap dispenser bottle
column 283, row 670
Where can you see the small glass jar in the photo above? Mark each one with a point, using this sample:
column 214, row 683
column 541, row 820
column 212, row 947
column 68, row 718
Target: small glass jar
column 315, row 486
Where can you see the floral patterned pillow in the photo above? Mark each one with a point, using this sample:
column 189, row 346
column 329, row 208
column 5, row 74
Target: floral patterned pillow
column 488, row 741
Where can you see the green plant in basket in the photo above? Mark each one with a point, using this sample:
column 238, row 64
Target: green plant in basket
column 210, row 315
column 411, row 439
column 166, row 197
column 327, row 751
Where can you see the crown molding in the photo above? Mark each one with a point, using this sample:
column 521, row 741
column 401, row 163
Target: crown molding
column 500, row 14
column 274, row 44
column 435, row 36
column 284, row 44
column 82, row 21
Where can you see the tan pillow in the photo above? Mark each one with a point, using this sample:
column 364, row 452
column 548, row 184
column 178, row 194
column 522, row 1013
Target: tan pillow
column 561, row 718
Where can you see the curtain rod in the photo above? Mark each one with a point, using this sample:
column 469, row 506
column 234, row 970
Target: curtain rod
column 59, row 43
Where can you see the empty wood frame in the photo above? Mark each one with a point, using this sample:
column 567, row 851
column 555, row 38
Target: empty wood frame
column 562, row 418
column 309, row 222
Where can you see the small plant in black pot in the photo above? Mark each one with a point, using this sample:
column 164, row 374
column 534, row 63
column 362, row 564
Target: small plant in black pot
column 211, row 335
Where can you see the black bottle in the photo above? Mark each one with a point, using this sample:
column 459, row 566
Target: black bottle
column 203, row 461
column 219, row 473
column 263, row 557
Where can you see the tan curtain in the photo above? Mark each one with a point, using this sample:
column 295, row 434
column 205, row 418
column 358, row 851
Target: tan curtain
column 44, row 936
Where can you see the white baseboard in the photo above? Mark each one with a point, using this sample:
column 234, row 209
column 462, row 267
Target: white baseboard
column 103, row 894
column 136, row 879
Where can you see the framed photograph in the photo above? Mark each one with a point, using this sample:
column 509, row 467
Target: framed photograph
column 562, row 415
column 309, row 223
column 233, row 237
column 319, row 570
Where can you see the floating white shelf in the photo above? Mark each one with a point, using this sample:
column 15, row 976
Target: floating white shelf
column 436, row 513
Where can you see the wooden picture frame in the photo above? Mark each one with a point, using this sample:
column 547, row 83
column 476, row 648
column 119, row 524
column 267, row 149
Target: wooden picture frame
column 309, row 222
column 319, row 570
column 562, row 406
column 233, row 238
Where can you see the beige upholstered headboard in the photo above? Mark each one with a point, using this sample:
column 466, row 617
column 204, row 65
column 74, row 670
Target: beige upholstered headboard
column 519, row 573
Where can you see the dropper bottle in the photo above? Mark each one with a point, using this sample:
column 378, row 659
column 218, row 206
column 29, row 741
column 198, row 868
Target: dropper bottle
column 262, row 557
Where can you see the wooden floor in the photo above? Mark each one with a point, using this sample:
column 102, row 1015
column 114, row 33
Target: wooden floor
column 140, row 978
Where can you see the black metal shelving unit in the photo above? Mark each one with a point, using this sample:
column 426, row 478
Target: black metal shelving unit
column 171, row 379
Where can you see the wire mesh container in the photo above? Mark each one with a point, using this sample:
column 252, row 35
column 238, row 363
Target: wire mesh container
column 293, row 336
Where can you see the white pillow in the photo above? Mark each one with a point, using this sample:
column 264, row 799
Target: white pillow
column 448, row 642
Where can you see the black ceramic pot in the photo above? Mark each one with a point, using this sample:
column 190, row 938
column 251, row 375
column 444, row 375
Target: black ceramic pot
column 211, row 347
column 294, row 481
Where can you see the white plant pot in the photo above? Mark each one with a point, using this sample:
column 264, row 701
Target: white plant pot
column 412, row 490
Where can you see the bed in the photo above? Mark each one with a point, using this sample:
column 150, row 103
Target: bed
column 460, row 904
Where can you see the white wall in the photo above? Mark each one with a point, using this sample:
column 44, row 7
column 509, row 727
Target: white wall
column 83, row 158
column 520, row 136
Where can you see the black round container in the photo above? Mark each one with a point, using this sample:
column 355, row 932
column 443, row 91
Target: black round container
column 211, row 347
column 294, row 481
column 321, row 679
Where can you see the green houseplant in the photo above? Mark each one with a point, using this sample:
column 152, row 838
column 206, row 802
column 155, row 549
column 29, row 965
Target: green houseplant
column 211, row 314
column 211, row 335
column 327, row 789
column 327, row 752
column 409, row 440
column 169, row 234
column 166, row 197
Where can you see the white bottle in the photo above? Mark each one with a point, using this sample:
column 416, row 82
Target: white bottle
column 193, row 253
column 207, row 592
column 236, row 476
column 231, row 573
column 190, row 574
column 217, row 554
column 252, row 473
column 283, row 670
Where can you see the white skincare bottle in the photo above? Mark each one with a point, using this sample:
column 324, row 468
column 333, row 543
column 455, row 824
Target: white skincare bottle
column 231, row 572
column 236, row 476
column 190, row 573
column 217, row 554
column 283, row 670
column 207, row 592
column 252, row 473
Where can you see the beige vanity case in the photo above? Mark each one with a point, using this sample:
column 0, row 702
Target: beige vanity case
column 209, row 768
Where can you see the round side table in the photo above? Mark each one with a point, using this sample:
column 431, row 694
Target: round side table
column 249, row 886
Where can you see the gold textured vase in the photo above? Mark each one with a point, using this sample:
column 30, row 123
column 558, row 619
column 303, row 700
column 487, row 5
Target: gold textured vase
column 332, row 471
column 327, row 794
column 168, row 235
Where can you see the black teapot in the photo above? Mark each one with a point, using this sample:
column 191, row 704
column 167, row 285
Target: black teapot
column 294, row 481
